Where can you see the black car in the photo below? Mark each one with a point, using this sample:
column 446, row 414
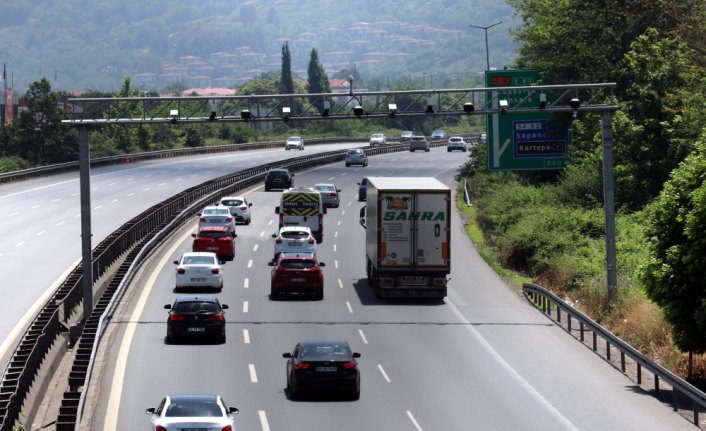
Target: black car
column 322, row 365
column 196, row 317
column 363, row 189
column 278, row 179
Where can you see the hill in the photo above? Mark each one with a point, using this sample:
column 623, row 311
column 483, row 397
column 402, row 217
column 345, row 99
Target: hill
column 81, row 44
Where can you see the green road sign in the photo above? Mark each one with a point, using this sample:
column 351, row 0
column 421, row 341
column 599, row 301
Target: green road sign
column 528, row 141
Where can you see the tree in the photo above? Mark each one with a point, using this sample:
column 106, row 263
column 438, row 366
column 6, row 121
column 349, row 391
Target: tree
column 673, row 273
column 37, row 134
column 286, row 81
column 318, row 80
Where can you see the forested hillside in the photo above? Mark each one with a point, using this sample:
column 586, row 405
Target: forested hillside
column 80, row 44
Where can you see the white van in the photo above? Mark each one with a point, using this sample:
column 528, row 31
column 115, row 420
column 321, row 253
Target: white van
column 302, row 206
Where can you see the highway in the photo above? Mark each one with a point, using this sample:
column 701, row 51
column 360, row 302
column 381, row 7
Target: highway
column 482, row 358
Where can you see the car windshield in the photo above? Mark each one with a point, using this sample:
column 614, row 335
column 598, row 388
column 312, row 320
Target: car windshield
column 377, row 136
column 298, row 234
column 355, row 151
column 199, row 260
column 202, row 408
column 297, row 263
column 294, row 139
column 231, row 202
column 195, row 307
column 333, row 352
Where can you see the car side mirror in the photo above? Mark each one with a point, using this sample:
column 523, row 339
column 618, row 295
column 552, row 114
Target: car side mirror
column 176, row 262
column 249, row 205
column 193, row 235
column 271, row 263
column 221, row 262
column 233, row 410
column 338, row 190
column 324, row 210
column 274, row 235
column 362, row 218
column 286, row 355
column 167, row 306
column 224, row 306
column 150, row 411
column 322, row 264
column 356, row 355
column 277, row 210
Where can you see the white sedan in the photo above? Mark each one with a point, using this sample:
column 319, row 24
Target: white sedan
column 198, row 269
column 294, row 239
column 215, row 215
column 192, row 412
column 294, row 143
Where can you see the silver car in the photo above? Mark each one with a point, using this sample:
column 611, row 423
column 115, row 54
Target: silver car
column 457, row 143
column 418, row 142
column 377, row 139
column 356, row 156
column 216, row 215
column 329, row 194
column 197, row 412
column 294, row 143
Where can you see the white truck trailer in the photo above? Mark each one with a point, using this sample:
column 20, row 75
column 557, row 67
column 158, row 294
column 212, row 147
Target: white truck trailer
column 408, row 236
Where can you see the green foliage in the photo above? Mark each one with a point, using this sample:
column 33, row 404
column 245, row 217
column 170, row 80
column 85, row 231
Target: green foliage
column 13, row 163
column 673, row 271
column 318, row 80
column 286, row 81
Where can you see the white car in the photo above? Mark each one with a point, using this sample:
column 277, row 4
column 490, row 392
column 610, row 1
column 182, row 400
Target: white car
column 456, row 143
column 192, row 412
column 216, row 215
column 198, row 269
column 294, row 143
column 294, row 239
column 239, row 207
column 377, row 139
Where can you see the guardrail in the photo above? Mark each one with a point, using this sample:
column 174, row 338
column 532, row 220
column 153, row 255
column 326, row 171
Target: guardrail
column 174, row 152
column 565, row 315
column 131, row 241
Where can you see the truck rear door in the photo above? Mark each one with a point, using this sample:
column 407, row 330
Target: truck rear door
column 432, row 239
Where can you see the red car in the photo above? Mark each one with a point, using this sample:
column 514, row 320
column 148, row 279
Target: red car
column 297, row 273
column 216, row 239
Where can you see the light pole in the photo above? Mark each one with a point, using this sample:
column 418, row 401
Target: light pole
column 487, row 55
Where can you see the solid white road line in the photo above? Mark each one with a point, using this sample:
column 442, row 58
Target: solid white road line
column 414, row 421
column 362, row 336
column 384, row 374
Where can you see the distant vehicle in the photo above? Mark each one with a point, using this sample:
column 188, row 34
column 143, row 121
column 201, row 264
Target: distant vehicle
column 406, row 136
column 377, row 139
column 407, row 223
column 483, row 137
column 327, row 365
column 214, row 239
column 294, row 143
column 198, row 270
column 438, row 134
column 302, row 206
column 457, row 143
column 362, row 189
column 239, row 207
column 279, row 178
column 297, row 273
column 193, row 412
column 196, row 317
column 418, row 142
column 329, row 194
column 356, row 156
column 294, row 239
column 215, row 215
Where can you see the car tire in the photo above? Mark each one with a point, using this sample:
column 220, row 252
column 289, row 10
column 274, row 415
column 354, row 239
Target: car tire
column 348, row 165
column 411, row 151
column 319, row 296
column 427, row 150
column 274, row 295
column 355, row 395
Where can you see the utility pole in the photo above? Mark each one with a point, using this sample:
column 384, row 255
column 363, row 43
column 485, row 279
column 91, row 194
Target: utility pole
column 487, row 55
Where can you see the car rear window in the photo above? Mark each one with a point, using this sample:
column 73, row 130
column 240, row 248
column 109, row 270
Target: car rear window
column 325, row 188
column 199, row 260
column 216, row 211
column 295, row 234
column 325, row 353
column 212, row 234
column 193, row 408
column 231, row 202
column 195, row 306
column 297, row 263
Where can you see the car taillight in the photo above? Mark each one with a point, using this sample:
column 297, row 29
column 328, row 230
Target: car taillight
column 202, row 220
column 217, row 317
column 278, row 240
column 332, row 194
column 350, row 365
column 174, row 317
column 243, row 208
column 215, row 270
column 229, row 219
column 160, row 428
column 302, row 365
column 311, row 241
column 227, row 428
column 181, row 271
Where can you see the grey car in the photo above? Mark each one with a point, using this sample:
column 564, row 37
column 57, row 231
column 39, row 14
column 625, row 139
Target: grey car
column 356, row 156
column 418, row 143
column 329, row 194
